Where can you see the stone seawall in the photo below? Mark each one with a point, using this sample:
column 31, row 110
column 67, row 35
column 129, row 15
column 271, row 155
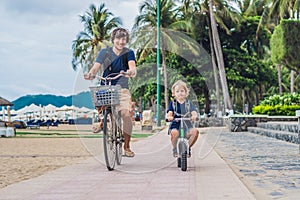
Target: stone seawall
column 286, row 131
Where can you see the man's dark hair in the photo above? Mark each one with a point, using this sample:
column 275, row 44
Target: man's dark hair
column 118, row 33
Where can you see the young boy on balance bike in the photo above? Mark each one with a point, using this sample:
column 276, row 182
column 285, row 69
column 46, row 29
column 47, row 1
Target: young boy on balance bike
column 181, row 106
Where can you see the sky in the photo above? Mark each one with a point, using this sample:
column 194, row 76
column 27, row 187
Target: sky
column 35, row 44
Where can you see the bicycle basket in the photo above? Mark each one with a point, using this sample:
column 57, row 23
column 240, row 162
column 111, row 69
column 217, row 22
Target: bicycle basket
column 105, row 95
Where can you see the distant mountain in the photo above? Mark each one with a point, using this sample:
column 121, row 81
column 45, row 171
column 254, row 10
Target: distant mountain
column 79, row 100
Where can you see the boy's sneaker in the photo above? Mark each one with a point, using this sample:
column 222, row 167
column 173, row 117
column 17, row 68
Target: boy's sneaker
column 175, row 154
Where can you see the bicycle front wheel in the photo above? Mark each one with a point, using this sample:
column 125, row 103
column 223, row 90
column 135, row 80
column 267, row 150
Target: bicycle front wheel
column 109, row 140
column 183, row 156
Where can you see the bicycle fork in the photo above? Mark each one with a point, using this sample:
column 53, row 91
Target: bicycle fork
column 182, row 143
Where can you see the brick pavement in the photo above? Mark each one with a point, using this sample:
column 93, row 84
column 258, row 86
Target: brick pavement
column 270, row 167
column 152, row 174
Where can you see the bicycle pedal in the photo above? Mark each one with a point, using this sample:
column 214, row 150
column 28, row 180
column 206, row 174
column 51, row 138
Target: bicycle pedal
column 120, row 140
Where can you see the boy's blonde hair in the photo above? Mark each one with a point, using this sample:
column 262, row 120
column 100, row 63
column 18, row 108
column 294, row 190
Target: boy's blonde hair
column 180, row 83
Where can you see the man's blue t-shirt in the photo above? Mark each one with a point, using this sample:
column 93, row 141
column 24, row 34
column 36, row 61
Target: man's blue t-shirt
column 112, row 63
column 179, row 110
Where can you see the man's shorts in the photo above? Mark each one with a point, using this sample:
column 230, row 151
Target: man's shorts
column 125, row 100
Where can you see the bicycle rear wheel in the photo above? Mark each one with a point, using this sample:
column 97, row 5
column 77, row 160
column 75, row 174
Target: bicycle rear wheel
column 109, row 140
column 119, row 141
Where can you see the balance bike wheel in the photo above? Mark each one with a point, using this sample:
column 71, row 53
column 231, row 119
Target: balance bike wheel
column 178, row 162
column 184, row 161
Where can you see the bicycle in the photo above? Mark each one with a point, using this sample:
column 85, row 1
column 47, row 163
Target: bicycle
column 106, row 97
column 182, row 143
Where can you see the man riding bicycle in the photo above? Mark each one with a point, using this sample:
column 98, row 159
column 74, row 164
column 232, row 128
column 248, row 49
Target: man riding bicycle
column 114, row 60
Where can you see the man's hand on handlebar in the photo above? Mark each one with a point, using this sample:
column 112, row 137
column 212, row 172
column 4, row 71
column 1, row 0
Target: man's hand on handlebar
column 131, row 73
column 88, row 76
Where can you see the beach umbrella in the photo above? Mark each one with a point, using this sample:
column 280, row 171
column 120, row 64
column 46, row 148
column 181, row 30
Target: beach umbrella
column 22, row 110
column 64, row 108
column 68, row 110
column 32, row 109
column 84, row 109
column 50, row 108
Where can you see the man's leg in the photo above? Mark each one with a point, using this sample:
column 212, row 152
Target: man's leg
column 127, row 131
column 97, row 129
column 125, row 108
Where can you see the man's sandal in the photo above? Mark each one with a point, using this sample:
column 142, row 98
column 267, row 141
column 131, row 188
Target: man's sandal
column 129, row 153
column 97, row 129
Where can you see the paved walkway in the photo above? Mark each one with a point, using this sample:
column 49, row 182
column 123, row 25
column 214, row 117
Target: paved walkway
column 270, row 167
column 152, row 174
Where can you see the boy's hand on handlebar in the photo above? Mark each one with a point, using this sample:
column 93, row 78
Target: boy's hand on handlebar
column 89, row 76
column 194, row 118
column 170, row 118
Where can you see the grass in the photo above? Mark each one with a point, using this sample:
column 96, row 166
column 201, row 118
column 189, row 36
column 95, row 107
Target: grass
column 56, row 134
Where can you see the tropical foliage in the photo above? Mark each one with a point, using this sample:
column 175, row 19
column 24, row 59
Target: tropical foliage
column 285, row 44
column 196, row 38
column 285, row 104
column 98, row 22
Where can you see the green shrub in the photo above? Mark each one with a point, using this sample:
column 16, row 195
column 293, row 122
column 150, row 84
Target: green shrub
column 284, row 105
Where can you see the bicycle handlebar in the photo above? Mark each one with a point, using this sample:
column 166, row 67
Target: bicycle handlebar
column 183, row 119
column 179, row 119
column 108, row 78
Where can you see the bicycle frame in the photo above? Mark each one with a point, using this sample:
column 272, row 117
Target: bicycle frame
column 112, row 134
column 182, row 143
column 182, row 136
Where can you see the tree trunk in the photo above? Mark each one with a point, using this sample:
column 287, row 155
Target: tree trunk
column 207, row 101
column 292, row 80
column 163, row 56
column 165, row 80
column 243, row 101
column 215, row 69
column 279, row 78
column 219, row 55
column 260, row 96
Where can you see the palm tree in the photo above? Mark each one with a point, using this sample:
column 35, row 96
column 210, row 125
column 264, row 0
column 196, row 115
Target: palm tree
column 219, row 56
column 217, row 14
column 144, row 31
column 98, row 22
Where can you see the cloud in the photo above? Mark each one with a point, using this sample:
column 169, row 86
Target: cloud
column 36, row 39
